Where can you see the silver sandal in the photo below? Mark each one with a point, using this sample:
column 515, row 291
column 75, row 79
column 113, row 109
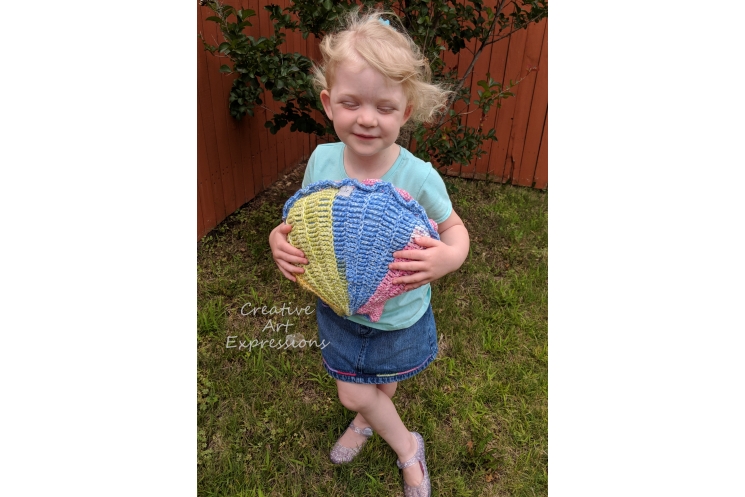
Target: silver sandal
column 341, row 454
column 423, row 489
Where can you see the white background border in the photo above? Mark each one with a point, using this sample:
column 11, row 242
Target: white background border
column 646, row 245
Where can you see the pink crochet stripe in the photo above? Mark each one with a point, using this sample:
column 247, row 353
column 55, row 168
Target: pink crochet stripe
column 404, row 193
column 373, row 308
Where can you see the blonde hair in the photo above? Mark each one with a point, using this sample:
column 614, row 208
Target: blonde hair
column 390, row 52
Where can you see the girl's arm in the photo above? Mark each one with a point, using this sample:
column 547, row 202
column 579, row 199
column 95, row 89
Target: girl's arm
column 441, row 257
column 284, row 254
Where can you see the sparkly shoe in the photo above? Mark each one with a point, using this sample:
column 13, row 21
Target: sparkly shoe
column 423, row 489
column 341, row 454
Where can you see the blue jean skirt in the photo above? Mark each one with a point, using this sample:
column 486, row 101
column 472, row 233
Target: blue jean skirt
column 359, row 354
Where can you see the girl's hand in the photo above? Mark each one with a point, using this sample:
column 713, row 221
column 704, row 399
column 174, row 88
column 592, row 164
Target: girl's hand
column 441, row 257
column 438, row 260
column 284, row 254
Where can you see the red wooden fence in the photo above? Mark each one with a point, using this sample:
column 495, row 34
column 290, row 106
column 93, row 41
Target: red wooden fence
column 236, row 160
column 520, row 154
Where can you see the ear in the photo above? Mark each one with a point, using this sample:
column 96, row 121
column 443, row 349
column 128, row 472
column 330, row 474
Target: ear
column 407, row 112
column 326, row 101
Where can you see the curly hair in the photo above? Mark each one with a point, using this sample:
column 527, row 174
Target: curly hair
column 389, row 51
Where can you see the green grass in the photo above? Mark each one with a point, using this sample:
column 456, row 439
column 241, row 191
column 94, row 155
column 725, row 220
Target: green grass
column 268, row 418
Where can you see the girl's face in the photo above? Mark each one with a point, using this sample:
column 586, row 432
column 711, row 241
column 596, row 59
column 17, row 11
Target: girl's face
column 367, row 109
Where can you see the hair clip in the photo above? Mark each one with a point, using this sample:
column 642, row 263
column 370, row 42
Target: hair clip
column 385, row 22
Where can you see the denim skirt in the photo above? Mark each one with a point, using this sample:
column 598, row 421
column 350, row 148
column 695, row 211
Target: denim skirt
column 359, row 354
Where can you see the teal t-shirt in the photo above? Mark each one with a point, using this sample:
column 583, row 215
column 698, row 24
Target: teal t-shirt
column 425, row 185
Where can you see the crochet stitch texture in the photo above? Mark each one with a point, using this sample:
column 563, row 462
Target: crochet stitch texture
column 348, row 231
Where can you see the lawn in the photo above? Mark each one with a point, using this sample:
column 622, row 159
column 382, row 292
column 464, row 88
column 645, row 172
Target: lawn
column 267, row 417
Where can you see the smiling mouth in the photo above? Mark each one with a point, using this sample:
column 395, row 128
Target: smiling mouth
column 365, row 137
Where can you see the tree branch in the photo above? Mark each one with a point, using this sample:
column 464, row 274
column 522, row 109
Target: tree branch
column 531, row 20
column 434, row 33
column 476, row 56
column 484, row 43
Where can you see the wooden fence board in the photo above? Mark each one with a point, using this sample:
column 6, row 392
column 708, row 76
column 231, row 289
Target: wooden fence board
column 294, row 145
column 498, row 156
column 219, row 166
column 270, row 164
column 524, row 98
column 246, row 154
column 536, row 119
column 498, row 67
column 204, row 185
column 251, row 126
column 234, row 143
column 210, row 136
column 247, row 157
column 281, row 149
column 452, row 61
column 466, row 170
column 283, row 145
column 484, row 170
column 200, row 219
column 315, row 55
column 251, row 138
column 297, row 144
column 541, row 169
column 281, row 136
column 220, row 107
column 476, row 118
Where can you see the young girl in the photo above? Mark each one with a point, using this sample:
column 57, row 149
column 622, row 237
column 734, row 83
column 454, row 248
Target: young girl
column 372, row 81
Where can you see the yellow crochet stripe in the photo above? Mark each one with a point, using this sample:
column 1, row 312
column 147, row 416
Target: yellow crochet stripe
column 312, row 232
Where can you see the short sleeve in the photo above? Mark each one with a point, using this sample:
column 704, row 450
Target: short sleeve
column 434, row 197
column 309, row 170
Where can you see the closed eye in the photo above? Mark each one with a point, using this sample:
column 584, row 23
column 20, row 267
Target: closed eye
column 386, row 110
column 349, row 105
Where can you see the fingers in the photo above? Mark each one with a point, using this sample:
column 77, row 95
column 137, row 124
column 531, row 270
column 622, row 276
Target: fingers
column 288, row 258
column 291, row 251
column 288, row 275
column 412, row 281
column 292, row 259
column 282, row 249
column 406, row 266
column 422, row 241
column 414, row 255
column 288, row 269
column 426, row 241
column 413, row 287
column 284, row 254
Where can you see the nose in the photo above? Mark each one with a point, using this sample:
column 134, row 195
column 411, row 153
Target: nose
column 366, row 118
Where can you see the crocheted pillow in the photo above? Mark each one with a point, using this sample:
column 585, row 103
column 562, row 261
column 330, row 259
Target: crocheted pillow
column 348, row 231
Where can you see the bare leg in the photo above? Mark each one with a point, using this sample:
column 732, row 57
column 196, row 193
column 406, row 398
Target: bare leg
column 378, row 410
column 351, row 439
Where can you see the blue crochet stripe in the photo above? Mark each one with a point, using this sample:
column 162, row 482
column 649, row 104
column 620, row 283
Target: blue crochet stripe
column 368, row 228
